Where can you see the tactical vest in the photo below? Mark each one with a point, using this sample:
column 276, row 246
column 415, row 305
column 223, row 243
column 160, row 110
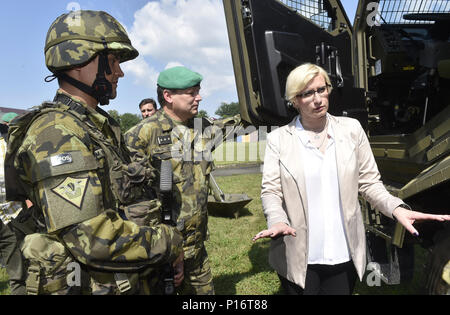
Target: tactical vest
column 126, row 180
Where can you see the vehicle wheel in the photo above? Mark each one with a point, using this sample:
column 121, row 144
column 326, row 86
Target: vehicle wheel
column 439, row 263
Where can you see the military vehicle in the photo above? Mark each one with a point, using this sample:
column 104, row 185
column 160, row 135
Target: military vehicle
column 390, row 69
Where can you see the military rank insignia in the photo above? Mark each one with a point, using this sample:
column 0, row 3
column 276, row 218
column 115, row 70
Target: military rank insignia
column 72, row 190
column 162, row 140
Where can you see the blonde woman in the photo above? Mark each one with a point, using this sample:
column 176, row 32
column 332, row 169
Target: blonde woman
column 314, row 169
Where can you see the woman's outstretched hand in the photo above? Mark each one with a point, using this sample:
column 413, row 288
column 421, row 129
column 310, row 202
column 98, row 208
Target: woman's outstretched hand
column 407, row 218
column 278, row 229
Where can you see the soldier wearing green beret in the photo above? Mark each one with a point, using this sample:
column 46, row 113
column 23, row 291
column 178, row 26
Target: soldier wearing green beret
column 70, row 159
column 172, row 134
column 8, row 117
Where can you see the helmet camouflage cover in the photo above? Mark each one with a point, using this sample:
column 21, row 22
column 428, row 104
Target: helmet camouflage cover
column 75, row 38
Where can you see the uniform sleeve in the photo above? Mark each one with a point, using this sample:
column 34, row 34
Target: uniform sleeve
column 137, row 140
column 107, row 242
column 59, row 172
column 271, row 190
column 69, row 184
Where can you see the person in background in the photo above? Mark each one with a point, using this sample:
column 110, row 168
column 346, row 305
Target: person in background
column 314, row 169
column 10, row 255
column 148, row 107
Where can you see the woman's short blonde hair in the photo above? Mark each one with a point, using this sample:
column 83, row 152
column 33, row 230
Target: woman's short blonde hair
column 299, row 78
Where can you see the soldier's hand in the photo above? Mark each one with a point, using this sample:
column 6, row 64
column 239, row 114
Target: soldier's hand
column 178, row 268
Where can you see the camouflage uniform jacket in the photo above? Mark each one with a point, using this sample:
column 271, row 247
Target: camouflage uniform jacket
column 189, row 146
column 8, row 210
column 67, row 178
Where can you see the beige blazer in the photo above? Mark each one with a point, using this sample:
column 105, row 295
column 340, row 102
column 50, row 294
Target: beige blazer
column 284, row 196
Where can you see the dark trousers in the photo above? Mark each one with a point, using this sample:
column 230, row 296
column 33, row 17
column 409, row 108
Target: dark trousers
column 11, row 257
column 324, row 280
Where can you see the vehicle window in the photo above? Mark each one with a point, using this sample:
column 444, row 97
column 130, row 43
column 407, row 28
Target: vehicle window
column 317, row 11
column 393, row 11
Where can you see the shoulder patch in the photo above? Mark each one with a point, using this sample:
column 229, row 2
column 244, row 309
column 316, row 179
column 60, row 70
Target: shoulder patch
column 72, row 190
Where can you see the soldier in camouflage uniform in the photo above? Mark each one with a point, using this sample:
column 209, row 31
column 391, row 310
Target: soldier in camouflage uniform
column 173, row 134
column 10, row 255
column 71, row 161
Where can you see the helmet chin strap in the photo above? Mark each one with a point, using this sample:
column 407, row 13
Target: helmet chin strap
column 101, row 89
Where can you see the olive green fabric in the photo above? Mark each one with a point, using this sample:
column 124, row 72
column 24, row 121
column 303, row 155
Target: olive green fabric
column 49, row 266
column 11, row 258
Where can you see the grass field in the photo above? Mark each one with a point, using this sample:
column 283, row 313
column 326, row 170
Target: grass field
column 239, row 265
column 4, row 287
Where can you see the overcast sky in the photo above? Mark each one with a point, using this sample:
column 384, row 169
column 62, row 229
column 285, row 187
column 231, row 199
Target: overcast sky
column 166, row 33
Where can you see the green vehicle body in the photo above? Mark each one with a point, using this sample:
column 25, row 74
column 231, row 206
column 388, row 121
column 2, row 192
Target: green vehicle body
column 390, row 69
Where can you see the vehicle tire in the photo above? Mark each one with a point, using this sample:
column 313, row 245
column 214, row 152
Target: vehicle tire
column 438, row 260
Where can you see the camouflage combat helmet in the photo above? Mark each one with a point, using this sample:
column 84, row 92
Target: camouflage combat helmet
column 76, row 38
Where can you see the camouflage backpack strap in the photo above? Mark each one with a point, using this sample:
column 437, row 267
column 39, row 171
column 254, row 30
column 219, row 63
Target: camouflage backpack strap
column 18, row 129
column 126, row 178
column 163, row 138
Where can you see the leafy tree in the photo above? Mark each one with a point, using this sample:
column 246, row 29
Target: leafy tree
column 202, row 113
column 128, row 120
column 228, row 110
column 114, row 114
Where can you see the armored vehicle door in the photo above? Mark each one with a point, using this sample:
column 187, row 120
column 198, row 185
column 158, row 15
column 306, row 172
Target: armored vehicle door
column 269, row 38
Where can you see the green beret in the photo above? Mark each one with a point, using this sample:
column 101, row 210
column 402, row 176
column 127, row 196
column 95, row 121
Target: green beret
column 179, row 78
column 9, row 116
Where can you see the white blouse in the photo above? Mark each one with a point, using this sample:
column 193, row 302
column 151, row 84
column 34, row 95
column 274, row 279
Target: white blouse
column 327, row 242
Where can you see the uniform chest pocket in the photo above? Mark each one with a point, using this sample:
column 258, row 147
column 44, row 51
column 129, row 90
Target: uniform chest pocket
column 161, row 153
column 203, row 157
column 167, row 152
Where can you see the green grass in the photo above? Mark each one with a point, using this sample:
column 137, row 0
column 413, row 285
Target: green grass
column 240, row 266
column 4, row 286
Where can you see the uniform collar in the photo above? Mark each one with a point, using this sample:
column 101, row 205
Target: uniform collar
column 97, row 118
column 189, row 123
